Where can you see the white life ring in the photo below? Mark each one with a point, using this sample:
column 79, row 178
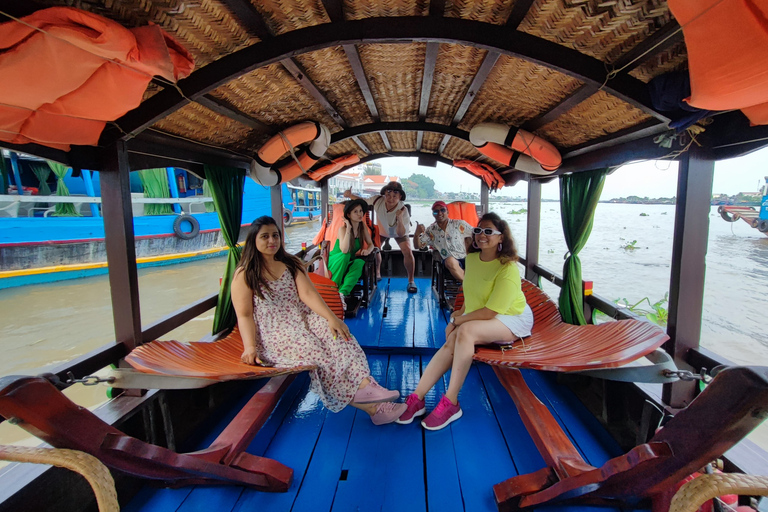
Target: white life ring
column 289, row 140
column 516, row 148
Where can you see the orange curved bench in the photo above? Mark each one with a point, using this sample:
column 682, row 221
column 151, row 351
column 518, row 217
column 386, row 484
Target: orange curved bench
column 219, row 360
column 557, row 346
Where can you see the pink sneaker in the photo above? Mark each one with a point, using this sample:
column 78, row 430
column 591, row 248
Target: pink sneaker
column 442, row 415
column 388, row 412
column 416, row 407
column 374, row 393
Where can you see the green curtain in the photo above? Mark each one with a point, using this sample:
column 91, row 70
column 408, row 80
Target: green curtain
column 42, row 171
column 227, row 191
column 155, row 183
column 579, row 194
column 209, row 207
column 62, row 209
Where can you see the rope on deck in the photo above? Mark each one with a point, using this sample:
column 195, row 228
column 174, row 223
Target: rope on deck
column 706, row 487
column 88, row 466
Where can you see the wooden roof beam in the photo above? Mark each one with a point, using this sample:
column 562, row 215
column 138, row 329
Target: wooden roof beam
column 660, row 40
column 362, row 80
column 380, row 30
column 399, row 127
column 666, row 36
column 295, row 69
column 334, row 9
column 519, row 11
column 225, row 109
column 579, row 95
column 427, row 78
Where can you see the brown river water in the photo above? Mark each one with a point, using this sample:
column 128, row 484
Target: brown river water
column 45, row 325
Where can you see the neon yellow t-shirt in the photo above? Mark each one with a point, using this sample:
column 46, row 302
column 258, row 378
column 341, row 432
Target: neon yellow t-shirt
column 492, row 285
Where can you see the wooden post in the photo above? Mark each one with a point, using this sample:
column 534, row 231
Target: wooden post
column 689, row 250
column 276, row 198
column 324, row 199
column 533, row 229
column 121, row 252
column 484, row 197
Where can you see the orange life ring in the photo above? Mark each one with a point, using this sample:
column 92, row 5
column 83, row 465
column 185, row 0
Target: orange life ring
column 516, row 148
column 312, row 132
column 483, row 171
column 336, row 165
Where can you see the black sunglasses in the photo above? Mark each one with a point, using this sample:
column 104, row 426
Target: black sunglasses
column 487, row 231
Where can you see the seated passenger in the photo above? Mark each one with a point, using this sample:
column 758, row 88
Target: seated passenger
column 394, row 221
column 344, row 267
column 450, row 237
column 494, row 311
column 284, row 322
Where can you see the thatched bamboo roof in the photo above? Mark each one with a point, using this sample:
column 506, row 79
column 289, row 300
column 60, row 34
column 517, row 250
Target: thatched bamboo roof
column 398, row 77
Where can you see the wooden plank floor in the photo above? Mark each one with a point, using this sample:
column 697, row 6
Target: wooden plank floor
column 342, row 462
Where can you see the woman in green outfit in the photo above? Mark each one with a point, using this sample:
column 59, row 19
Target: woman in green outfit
column 344, row 267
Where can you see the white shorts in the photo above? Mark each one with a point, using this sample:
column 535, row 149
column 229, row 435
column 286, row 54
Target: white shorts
column 520, row 325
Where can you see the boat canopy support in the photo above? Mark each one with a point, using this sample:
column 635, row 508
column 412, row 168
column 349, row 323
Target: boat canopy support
column 120, row 247
column 689, row 247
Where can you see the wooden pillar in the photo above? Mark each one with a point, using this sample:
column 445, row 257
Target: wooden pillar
column 484, row 197
column 324, row 199
column 121, row 252
column 533, row 229
column 276, row 198
column 689, row 251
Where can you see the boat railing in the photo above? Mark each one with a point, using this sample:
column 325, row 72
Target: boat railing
column 10, row 203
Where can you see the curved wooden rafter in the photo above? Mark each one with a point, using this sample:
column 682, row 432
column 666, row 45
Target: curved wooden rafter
column 381, row 30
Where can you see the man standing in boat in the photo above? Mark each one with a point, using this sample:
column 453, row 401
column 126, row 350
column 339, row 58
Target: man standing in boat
column 394, row 221
column 451, row 238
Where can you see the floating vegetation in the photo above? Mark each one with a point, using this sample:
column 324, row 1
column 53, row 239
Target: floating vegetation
column 518, row 212
column 550, row 251
column 657, row 313
column 630, row 246
column 644, row 215
column 663, row 213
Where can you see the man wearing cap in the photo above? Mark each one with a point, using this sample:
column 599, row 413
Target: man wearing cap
column 394, row 221
column 451, row 237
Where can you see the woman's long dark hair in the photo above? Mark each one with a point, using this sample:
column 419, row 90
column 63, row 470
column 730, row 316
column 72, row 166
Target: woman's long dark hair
column 348, row 207
column 252, row 261
column 508, row 252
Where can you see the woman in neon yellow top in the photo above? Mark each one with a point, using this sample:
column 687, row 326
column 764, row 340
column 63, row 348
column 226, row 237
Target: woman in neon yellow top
column 494, row 311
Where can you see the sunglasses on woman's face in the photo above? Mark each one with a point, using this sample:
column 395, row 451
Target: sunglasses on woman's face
column 439, row 211
column 487, row 231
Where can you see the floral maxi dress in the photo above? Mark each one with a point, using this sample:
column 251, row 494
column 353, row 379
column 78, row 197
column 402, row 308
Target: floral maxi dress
column 289, row 333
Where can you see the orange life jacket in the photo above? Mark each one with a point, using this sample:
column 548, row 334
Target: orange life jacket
column 79, row 70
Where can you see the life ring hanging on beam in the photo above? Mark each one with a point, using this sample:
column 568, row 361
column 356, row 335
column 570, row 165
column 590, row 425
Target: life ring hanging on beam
column 516, row 148
column 483, row 171
column 289, row 140
column 336, row 165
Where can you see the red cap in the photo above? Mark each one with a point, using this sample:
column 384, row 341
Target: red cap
column 439, row 204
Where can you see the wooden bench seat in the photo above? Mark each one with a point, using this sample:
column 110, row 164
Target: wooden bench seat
column 557, row 346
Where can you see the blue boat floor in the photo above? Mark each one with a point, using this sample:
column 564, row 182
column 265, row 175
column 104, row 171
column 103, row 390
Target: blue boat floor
column 342, row 462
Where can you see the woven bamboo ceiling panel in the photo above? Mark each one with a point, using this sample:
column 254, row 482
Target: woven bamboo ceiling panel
column 403, row 76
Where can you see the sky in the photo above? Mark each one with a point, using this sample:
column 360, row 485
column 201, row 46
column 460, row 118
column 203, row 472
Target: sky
column 645, row 179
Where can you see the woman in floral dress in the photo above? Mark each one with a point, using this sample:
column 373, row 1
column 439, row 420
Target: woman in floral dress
column 284, row 322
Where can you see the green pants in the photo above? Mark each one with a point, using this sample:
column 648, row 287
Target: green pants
column 345, row 271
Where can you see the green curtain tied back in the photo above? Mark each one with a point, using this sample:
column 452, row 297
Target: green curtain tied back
column 226, row 185
column 579, row 195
